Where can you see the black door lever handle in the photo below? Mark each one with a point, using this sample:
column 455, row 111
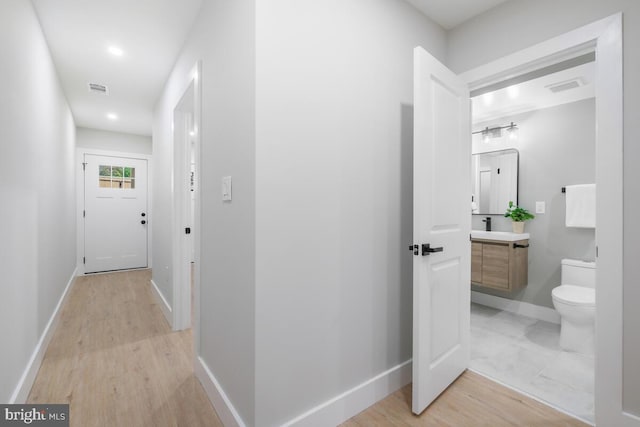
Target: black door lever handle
column 427, row 249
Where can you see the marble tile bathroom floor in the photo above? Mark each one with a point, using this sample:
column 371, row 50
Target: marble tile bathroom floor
column 523, row 353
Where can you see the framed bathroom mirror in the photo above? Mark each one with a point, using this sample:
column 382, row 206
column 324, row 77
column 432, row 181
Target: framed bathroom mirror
column 494, row 181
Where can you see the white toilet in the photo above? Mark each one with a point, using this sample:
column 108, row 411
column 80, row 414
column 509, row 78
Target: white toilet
column 575, row 301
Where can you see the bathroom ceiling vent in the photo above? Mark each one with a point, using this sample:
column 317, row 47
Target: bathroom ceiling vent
column 98, row 88
column 565, row 85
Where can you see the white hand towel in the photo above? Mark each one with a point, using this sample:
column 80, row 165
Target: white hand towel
column 581, row 206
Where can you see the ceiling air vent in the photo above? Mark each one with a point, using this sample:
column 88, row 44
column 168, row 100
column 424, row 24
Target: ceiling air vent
column 566, row 85
column 98, row 88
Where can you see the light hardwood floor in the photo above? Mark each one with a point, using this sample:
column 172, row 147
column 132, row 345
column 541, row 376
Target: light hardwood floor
column 471, row 401
column 114, row 359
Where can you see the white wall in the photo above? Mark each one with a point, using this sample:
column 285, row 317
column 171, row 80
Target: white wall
column 95, row 139
column 224, row 39
column 517, row 24
column 37, row 190
column 333, row 196
column 333, row 212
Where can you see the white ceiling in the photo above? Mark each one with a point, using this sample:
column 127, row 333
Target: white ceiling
column 451, row 13
column 151, row 34
column 534, row 94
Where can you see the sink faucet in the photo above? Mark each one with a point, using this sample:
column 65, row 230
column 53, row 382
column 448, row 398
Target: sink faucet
column 488, row 221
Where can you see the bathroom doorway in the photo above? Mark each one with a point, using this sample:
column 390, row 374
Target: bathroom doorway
column 531, row 140
column 509, row 325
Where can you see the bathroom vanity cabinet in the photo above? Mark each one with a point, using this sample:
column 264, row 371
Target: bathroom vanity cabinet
column 498, row 264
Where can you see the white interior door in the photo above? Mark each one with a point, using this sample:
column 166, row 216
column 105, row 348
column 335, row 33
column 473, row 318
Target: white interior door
column 441, row 220
column 115, row 219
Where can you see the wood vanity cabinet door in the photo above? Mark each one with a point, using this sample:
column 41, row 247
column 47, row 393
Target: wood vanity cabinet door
column 495, row 265
column 476, row 263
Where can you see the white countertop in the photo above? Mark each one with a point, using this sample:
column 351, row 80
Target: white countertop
column 504, row 236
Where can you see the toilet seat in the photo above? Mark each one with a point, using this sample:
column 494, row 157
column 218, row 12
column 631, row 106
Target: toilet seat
column 575, row 295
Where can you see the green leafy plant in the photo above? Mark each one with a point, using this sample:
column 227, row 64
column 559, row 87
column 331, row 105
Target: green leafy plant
column 518, row 214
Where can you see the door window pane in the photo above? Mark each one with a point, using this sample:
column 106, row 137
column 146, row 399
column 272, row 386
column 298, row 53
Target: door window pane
column 116, row 177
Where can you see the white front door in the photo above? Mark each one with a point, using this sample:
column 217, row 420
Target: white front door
column 115, row 217
column 441, row 227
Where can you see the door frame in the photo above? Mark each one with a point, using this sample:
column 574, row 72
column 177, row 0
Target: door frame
column 181, row 250
column 80, row 153
column 605, row 36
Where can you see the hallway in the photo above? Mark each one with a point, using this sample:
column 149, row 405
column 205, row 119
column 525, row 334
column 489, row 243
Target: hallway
column 115, row 360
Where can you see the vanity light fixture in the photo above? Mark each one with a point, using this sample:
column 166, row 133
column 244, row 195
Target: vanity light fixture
column 496, row 132
column 512, row 131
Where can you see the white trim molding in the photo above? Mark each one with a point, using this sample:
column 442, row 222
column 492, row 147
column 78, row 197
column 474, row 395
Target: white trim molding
column 350, row 403
column 221, row 403
column 162, row 302
column 518, row 307
column 21, row 392
column 182, row 245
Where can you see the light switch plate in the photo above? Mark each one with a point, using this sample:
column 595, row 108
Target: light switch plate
column 226, row 188
column 540, row 207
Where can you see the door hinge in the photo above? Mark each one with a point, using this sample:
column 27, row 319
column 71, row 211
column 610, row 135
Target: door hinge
column 596, row 252
column 84, row 166
column 84, row 214
column 187, row 230
column 84, row 260
column 498, row 171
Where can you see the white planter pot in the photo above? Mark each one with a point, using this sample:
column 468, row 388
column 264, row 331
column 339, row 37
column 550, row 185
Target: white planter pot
column 518, row 226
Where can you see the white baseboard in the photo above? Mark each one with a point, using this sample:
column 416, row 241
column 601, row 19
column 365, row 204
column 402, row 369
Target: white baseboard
column 332, row 412
column 631, row 418
column 350, row 403
column 21, row 392
column 523, row 308
column 221, row 403
column 164, row 305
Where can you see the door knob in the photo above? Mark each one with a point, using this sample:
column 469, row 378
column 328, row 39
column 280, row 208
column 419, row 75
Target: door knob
column 143, row 222
column 427, row 249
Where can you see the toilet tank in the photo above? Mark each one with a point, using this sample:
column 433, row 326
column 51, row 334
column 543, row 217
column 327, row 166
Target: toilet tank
column 578, row 273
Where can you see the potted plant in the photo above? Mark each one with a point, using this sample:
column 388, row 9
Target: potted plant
column 518, row 216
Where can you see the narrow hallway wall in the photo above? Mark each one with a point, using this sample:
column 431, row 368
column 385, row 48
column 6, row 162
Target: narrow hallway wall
column 37, row 190
column 223, row 38
column 334, row 197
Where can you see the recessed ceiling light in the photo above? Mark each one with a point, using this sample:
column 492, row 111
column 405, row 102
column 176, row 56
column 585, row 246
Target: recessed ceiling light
column 115, row 51
column 112, row 116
